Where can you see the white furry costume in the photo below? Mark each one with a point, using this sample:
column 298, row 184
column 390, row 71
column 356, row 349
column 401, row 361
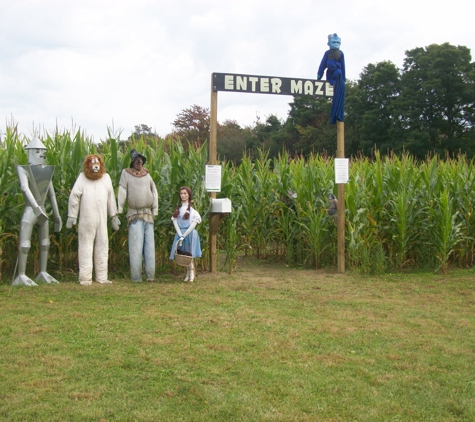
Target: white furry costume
column 93, row 200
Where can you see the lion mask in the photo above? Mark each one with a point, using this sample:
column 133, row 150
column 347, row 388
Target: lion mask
column 93, row 167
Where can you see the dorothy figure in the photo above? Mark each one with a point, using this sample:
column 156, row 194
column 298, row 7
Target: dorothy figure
column 185, row 219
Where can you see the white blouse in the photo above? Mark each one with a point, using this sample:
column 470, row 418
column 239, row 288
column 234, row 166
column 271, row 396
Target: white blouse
column 194, row 215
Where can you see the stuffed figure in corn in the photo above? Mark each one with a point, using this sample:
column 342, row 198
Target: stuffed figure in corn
column 36, row 185
column 185, row 218
column 91, row 200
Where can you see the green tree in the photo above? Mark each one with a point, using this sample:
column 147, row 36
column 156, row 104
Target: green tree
column 309, row 126
column 269, row 137
column 232, row 140
column 370, row 106
column 436, row 104
column 192, row 125
column 141, row 132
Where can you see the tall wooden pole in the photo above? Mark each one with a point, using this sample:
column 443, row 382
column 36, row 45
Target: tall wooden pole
column 213, row 153
column 340, row 153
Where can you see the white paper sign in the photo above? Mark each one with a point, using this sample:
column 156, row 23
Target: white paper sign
column 213, row 178
column 341, row 170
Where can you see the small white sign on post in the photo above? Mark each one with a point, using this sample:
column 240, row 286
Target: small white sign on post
column 341, row 170
column 213, row 178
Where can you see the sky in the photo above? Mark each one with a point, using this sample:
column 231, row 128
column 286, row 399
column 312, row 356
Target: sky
column 101, row 65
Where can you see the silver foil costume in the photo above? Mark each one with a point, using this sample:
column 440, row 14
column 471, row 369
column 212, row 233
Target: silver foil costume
column 36, row 184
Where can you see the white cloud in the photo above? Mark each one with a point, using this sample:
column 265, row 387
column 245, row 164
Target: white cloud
column 99, row 63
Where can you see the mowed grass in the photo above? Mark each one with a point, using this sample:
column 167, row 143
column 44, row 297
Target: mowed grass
column 268, row 343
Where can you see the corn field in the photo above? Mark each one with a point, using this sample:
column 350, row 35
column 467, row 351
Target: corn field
column 400, row 213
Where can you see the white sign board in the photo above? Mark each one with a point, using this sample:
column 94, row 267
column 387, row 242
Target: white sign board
column 213, row 178
column 341, row 170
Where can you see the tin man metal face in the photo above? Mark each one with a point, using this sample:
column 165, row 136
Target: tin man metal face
column 37, row 156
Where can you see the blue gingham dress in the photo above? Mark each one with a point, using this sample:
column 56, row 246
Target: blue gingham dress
column 192, row 241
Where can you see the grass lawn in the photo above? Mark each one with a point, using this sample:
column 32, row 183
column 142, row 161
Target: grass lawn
column 268, row 343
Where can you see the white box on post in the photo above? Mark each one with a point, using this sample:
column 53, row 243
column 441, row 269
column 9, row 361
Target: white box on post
column 220, row 206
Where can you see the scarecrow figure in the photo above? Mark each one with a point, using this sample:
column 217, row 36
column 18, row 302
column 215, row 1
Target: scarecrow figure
column 334, row 63
column 138, row 190
column 36, row 184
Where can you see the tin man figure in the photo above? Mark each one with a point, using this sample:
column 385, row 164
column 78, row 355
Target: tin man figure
column 36, row 183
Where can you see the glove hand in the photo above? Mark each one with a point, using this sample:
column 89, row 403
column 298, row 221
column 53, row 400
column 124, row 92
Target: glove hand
column 319, row 77
column 71, row 222
column 58, row 224
column 180, row 240
column 115, row 223
column 189, row 229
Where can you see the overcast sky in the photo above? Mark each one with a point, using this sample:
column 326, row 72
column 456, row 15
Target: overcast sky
column 99, row 64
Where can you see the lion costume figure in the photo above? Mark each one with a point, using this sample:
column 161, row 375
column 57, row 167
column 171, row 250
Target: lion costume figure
column 91, row 200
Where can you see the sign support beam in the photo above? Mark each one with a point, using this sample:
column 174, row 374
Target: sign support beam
column 257, row 84
column 212, row 158
column 340, row 153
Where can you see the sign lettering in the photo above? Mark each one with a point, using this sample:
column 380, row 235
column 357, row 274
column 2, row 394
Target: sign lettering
column 271, row 85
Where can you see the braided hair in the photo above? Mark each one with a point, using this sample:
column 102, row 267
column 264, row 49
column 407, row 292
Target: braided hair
column 190, row 202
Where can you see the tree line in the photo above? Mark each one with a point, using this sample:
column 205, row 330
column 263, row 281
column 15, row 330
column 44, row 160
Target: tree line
column 424, row 108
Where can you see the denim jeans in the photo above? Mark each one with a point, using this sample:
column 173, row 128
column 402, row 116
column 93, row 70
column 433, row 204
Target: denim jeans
column 141, row 244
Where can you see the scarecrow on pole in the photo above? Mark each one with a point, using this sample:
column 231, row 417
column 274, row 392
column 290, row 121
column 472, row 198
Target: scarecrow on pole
column 334, row 62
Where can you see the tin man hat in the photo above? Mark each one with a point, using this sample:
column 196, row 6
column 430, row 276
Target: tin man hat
column 133, row 155
column 35, row 143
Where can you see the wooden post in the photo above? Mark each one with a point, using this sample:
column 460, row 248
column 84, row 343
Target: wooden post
column 213, row 153
column 340, row 153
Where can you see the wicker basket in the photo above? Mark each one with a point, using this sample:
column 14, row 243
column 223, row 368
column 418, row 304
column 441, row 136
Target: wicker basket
column 183, row 260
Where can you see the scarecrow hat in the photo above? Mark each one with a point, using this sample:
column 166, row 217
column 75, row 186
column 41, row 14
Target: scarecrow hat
column 133, row 155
